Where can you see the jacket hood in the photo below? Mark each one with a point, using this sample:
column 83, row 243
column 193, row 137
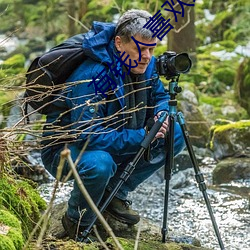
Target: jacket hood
column 98, row 42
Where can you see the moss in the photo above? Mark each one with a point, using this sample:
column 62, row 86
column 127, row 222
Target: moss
column 16, row 237
column 128, row 244
column 17, row 61
column 238, row 128
column 236, row 125
column 13, row 239
column 22, row 200
column 9, row 219
column 6, row 243
column 212, row 100
column 224, row 75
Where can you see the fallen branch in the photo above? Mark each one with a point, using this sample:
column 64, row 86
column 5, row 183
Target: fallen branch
column 66, row 155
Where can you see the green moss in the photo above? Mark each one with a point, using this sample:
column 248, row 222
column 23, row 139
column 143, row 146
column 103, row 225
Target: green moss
column 224, row 75
column 16, row 61
column 214, row 101
column 239, row 128
column 22, row 200
column 14, row 234
column 128, row 244
column 6, row 243
column 16, row 237
column 9, row 219
column 236, row 125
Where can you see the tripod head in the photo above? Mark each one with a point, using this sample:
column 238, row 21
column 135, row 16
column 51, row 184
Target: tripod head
column 174, row 89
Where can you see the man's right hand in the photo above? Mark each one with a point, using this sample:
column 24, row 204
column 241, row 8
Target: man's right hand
column 164, row 128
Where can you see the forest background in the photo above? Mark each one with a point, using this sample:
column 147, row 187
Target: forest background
column 214, row 33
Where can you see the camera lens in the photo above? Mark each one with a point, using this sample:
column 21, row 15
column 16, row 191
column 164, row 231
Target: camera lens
column 182, row 63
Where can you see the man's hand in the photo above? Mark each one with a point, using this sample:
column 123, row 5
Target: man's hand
column 164, row 128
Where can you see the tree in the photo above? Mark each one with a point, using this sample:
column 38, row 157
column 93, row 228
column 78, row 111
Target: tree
column 182, row 38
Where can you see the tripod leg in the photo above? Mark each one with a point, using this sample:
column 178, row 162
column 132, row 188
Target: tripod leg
column 129, row 168
column 168, row 173
column 199, row 177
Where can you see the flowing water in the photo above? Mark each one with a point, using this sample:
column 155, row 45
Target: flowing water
column 187, row 212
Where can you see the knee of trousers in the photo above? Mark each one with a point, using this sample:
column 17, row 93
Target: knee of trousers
column 179, row 142
column 97, row 165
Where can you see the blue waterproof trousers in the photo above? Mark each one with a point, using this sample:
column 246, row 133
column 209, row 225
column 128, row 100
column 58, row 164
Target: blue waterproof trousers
column 100, row 170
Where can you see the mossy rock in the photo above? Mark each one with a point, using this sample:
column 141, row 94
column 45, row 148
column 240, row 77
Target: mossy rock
column 22, row 200
column 231, row 169
column 232, row 139
column 128, row 244
column 10, row 231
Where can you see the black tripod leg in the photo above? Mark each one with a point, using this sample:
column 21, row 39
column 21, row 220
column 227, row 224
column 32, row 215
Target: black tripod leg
column 129, row 168
column 169, row 163
column 199, row 177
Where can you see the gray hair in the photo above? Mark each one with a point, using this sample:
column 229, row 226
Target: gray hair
column 131, row 23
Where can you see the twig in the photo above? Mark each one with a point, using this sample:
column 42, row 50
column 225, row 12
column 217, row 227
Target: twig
column 66, row 154
column 99, row 238
column 137, row 236
column 77, row 21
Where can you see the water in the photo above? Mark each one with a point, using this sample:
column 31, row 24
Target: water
column 188, row 215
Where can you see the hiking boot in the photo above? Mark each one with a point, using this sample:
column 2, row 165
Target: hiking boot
column 121, row 211
column 75, row 231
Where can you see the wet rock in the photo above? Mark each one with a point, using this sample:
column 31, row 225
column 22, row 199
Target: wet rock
column 232, row 139
column 181, row 179
column 231, row 169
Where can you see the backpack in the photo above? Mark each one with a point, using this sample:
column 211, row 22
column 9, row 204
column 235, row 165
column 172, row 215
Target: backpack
column 48, row 73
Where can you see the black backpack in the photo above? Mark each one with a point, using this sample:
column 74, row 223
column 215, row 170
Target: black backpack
column 48, row 73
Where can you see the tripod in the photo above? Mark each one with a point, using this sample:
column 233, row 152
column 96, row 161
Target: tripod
column 173, row 90
column 169, row 163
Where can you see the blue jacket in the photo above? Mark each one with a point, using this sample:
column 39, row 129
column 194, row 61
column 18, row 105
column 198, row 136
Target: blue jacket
column 84, row 104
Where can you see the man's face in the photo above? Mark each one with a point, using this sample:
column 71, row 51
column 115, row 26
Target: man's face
column 131, row 49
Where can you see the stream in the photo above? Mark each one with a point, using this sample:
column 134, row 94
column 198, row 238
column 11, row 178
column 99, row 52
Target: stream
column 187, row 212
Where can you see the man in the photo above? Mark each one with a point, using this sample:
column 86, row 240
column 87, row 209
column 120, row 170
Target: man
column 112, row 122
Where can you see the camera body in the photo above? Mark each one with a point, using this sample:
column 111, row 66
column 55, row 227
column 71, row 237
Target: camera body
column 171, row 65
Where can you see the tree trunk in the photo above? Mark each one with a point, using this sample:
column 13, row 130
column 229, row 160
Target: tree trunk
column 72, row 14
column 182, row 39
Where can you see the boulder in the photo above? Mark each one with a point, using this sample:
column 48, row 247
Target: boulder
column 231, row 169
column 232, row 139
